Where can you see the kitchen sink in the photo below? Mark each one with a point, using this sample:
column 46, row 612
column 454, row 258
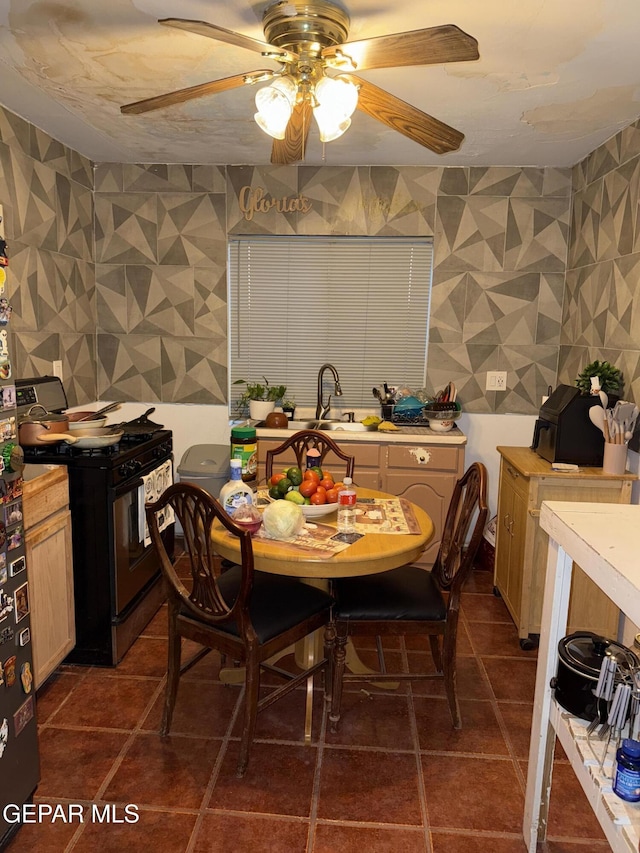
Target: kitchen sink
column 326, row 425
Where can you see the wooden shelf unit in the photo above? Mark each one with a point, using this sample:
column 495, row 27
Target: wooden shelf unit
column 602, row 539
column 526, row 480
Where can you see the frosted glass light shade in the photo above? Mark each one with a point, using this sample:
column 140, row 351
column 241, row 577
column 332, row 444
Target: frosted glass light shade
column 336, row 99
column 275, row 105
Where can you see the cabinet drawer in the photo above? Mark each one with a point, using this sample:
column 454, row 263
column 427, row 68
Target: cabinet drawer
column 424, row 457
column 516, row 479
column 40, row 500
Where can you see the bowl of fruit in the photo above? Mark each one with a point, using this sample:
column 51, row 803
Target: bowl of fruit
column 314, row 490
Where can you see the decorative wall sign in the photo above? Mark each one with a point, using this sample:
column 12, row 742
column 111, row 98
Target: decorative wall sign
column 257, row 200
column 22, row 716
column 22, row 601
column 17, row 566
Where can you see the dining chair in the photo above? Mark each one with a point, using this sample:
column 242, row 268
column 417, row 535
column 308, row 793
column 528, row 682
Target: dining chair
column 247, row 615
column 301, row 442
column 412, row 600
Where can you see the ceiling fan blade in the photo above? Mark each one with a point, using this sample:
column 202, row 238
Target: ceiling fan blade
column 431, row 46
column 202, row 28
column 408, row 120
column 182, row 95
column 292, row 148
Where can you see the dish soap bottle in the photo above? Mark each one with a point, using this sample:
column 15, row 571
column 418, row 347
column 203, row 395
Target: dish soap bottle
column 235, row 492
column 347, row 507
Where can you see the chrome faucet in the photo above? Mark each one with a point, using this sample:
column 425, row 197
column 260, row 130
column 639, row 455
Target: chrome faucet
column 322, row 410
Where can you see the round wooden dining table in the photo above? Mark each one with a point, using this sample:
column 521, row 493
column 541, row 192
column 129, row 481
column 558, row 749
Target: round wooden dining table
column 372, row 553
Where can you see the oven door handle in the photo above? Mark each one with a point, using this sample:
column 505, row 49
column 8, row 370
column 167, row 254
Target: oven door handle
column 129, row 486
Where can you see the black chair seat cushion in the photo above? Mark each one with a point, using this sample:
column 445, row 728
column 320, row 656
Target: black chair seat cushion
column 405, row 594
column 277, row 602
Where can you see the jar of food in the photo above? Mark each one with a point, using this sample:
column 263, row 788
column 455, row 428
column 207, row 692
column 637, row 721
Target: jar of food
column 244, row 446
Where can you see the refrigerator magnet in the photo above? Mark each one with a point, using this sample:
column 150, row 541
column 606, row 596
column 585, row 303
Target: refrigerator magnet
column 10, row 671
column 6, row 605
column 3, row 568
column 1, row 674
column 6, row 634
column 9, row 397
column 22, row 716
column 4, row 736
column 26, row 677
column 24, row 636
column 17, row 566
column 14, row 538
column 22, row 601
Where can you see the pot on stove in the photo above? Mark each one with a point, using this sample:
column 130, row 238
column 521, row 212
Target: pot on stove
column 39, row 422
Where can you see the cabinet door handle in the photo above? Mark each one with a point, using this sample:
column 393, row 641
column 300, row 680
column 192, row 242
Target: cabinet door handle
column 511, row 528
column 512, row 472
column 505, row 521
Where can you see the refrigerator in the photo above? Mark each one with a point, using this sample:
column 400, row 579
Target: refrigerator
column 19, row 761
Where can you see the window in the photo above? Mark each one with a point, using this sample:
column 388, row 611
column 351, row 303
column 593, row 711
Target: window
column 361, row 304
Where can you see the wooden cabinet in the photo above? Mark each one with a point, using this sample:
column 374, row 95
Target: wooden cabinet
column 423, row 471
column 526, row 480
column 50, row 566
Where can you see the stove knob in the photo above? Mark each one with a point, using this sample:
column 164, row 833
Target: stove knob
column 136, row 465
column 125, row 469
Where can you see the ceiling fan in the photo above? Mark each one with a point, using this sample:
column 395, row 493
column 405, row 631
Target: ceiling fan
column 308, row 39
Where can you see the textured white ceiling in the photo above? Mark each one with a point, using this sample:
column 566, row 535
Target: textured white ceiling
column 555, row 79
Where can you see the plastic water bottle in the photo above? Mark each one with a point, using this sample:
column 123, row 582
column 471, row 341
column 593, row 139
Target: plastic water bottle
column 347, row 507
column 235, row 492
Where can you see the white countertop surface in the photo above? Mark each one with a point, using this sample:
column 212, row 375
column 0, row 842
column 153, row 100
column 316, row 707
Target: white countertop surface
column 422, row 435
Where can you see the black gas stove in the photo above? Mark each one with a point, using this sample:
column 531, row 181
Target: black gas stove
column 115, row 568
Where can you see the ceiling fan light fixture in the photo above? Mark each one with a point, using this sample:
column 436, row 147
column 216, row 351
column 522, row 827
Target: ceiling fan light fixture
column 336, row 99
column 275, row 105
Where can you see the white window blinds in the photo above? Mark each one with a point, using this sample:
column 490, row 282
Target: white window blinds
column 361, row 304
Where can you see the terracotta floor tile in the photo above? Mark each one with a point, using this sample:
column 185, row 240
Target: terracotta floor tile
column 369, row 785
column 74, row 764
column 480, row 732
column 165, row 832
column 207, row 668
column 147, row 656
column 569, row 812
column 479, row 581
column 43, row 837
column 472, row 793
column 285, row 719
column 471, row 681
column 484, row 607
column 171, row 772
column 203, row 709
column 373, row 719
column 517, row 719
column 54, row 692
column 590, row 846
column 450, row 842
column 497, row 638
column 233, row 833
column 511, row 679
column 331, row 838
column 417, row 643
column 106, row 701
column 279, row 780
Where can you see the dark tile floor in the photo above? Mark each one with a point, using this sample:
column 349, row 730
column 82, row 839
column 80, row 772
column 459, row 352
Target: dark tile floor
column 396, row 779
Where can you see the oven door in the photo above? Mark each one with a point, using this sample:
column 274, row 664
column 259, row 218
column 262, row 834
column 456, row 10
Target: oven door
column 136, row 563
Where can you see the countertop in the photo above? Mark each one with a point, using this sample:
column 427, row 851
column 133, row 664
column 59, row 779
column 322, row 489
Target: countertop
column 422, row 435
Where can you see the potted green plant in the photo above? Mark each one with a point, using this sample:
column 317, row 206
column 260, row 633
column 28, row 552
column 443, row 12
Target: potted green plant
column 289, row 407
column 261, row 398
column 609, row 379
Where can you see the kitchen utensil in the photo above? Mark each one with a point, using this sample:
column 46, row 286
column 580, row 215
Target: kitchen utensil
column 377, row 394
column 38, row 422
column 86, row 438
column 603, row 399
column 91, row 416
column 596, row 416
column 140, row 425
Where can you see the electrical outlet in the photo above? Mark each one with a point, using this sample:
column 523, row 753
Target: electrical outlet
column 57, row 369
column 496, row 380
